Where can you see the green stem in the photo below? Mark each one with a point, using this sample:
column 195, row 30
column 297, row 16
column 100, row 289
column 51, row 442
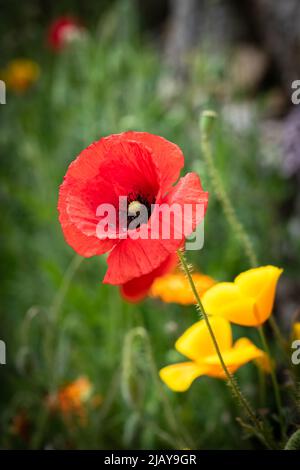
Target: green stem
column 275, row 383
column 64, row 287
column 262, row 386
column 230, row 378
column 171, row 418
column 56, row 305
column 228, row 208
column 222, row 195
column 278, row 336
column 238, row 229
column 49, row 345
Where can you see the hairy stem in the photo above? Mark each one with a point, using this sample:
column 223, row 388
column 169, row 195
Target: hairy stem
column 207, row 121
column 228, row 208
column 230, row 378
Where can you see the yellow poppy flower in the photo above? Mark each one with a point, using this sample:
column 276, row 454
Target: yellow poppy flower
column 296, row 330
column 196, row 344
column 20, row 74
column 175, row 288
column 248, row 300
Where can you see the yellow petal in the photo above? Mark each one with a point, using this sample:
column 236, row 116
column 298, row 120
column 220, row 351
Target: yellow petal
column 265, row 363
column 202, row 282
column 296, row 330
column 196, row 343
column 175, row 288
column 242, row 352
column 260, row 284
column 179, row 377
column 20, row 74
column 226, row 300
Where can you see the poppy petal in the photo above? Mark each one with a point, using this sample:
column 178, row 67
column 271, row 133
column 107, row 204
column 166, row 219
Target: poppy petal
column 179, row 377
column 129, row 167
column 175, row 288
column 226, row 300
column 86, row 165
column 84, row 245
column 167, row 156
column 92, row 180
column 196, row 342
column 191, row 201
column 265, row 363
column 242, row 352
column 260, row 284
column 136, row 289
column 125, row 165
column 131, row 259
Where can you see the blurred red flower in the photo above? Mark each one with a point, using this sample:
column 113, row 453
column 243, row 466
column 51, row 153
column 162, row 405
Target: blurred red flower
column 142, row 168
column 62, row 31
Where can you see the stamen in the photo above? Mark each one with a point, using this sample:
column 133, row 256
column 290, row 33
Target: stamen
column 139, row 209
column 134, row 207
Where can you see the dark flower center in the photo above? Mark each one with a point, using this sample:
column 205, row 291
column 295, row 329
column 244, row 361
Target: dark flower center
column 138, row 207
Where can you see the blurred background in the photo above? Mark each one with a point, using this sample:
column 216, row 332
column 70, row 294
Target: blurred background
column 81, row 363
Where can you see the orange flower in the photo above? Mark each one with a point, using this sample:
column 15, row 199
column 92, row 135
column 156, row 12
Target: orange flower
column 196, row 344
column 248, row 300
column 175, row 288
column 20, row 74
column 71, row 399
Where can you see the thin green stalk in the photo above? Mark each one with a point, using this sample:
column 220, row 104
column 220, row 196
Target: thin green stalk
column 50, row 337
column 278, row 336
column 207, row 122
column 57, row 303
column 238, row 229
column 275, row 384
column 66, row 281
column 230, row 378
column 171, row 418
column 219, row 190
column 262, row 386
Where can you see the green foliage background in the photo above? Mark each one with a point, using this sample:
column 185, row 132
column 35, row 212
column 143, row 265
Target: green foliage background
column 57, row 319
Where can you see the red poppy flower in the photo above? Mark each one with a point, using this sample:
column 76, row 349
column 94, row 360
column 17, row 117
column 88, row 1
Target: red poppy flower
column 141, row 168
column 62, row 31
